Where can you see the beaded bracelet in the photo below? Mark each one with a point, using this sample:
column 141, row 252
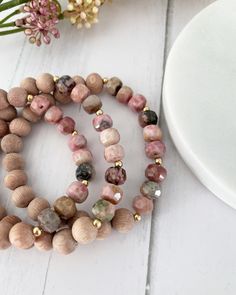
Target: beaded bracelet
column 37, row 98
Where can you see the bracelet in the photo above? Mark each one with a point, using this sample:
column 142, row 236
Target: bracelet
column 63, row 227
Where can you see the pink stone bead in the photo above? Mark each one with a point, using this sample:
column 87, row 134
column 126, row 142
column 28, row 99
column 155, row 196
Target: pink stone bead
column 124, row 94
column 76, row 142
column 114, row 153
column 102, row 122
column 82, row 156
column 112, row 193
column 66, row 125
column 40, row 104
column 143, row 205
column 155, row 173
column 53, row 115
column 79, row 93
column 77, row 191
column 152, row 133
column 109, row 136
column 155, row 149
column 137, row 103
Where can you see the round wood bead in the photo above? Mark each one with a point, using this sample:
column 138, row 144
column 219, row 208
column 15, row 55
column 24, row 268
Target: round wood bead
column 123, row 220
column 43, row 242
column 3, row 99
column 29, row 115
column 45, row 83
column 8, row 114
column 5, row 225
column 92, row 104
column 79, row 80
column 83, row 230
column 20, row 127
column 29, row 84
column 104, row 231
column 95, row 83
column 17, row 96
column 11, row 219
column 22, row 196
column 65, row 207
column 3, row 212
column 124, row 94
column 21, row 236
column 36, row 206
column 11, row 143
column 3, row 128
column 15, row 178
column 63, row 242
column 78, row 214
column 13, row 161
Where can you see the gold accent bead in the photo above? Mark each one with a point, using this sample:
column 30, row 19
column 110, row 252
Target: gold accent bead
column 56, row 78
column 118, row 164
column 158, row 161
column 146, row 109
column 85, row 182
column 97, row 223
column 99, row 112
column 37, row 231
column 137, row 217
column 30, row 98
column 75, row 132
column 105, row 80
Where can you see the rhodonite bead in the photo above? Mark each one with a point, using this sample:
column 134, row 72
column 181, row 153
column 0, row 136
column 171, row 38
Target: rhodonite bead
column 65, row 84
column 78, row 191
column 63, row 242
column 103, row 210
column 109, row 136
column 79, row 79
column 124, row 94
column 53, row 115
column 82, row 156
column 152, row 133
column 137, row 103
column 115, row 175
column 21, row 236
column 112, row 193
column 147, row 118
column 83, row 230
column 76, row 142
column 155, row 173
column 84, row 171
column 113, row 86
column 123, row 220
column 3, row 99
column 40, row 104
column 49, row 220
column 92, row 104
column 66, row 125
column 150, row 189
column 45, row 83
column 142, row 205
column 102, row 122
column 95, row 83
column 155, row 149
column 65, row 207
column 29, row 115
column 17, row 96
column 29, row 84
column 114, row 153
column 79, row 93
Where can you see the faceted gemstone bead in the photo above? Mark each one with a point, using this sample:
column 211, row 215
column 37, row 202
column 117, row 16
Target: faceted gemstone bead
column 53, row 115
column 78, row 191
column 142, row 205
column 152, row 133
column 102, row 122
column 150, row 189
column 155, row 149
column 65, row 84
column 40, row 104
column 65, row 207
column 115, row 175
column 95, row 83
column 84, row 171
column 137, row 103
column 114, row 153
column 76, row 142
column 124, row 94
column 92, row 104
column 103, row 210
column 155, row 173
column 109, row 136
column 113, row 86
column 79, row 93
column 66, row 125
column 82, row 156
column 112, row 193
column 49, row 220
column 147, row 118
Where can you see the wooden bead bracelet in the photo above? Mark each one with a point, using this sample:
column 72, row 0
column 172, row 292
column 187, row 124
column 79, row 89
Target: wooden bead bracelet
column 63, row 226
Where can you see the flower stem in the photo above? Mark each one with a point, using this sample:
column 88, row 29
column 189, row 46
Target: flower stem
column 11, row 24
column 9, row 16
column 12, row 3
column 8, row 32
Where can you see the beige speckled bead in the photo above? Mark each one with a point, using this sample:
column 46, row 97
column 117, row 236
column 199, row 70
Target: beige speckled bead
column 152, row 133
column 63, row 242
column 92, row 104
column 95, row 83
column 20, row 127
column 44, row 242
column 79, row 93
column 3, row 212
column 21, row 236
column 11, row 143
column 36, row 206
column 113, row 86
column 8, row 113
column 29, row 115
column 29, row 84
column 78, row 214
column 124, row 94
column 109, row 136
column 83, row 230
column 78, row 79
column 22, row 196
column 61, row 97
column 45, row 83
column 15, row 178
column 3, row 128
column 123, row 220
column 5, row 226
column 17, row 96
column 104, row 231
column 13, row 161
column 3, row 99
column 114, row 153
column 65, row 207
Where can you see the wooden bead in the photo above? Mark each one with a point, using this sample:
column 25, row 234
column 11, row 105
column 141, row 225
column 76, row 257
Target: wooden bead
column 104, row 231
column 22, row 196
column 78, row 79
column 29, row 115
column 44, row 242
column 13, row 161
column 5, row 226
column 29, row 84
column 11, row 219
column 21, row 236
column 45, row 83
column 3, row 99
column 63, row 242
column 15, row 178
column 11, row 143
column 95, row 83
column 36, row 206
column 17, row 97
column 20, row 127
column 63, row 98
column 3, row 128
column 8, row 114
column 3, row 212
column 123, row 220
column 83, row 230
column 65, row 207
column 78, row 214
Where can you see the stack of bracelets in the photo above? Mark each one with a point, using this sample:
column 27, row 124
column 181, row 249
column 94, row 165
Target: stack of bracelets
column 62, row 227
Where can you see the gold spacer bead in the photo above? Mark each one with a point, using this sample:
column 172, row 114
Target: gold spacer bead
column 105, row 80
column 99, row 112
column 85, row 182
column 137, row 217
column 118, row 164
column 146, row 109
column 75, row 132
column 37, row 231
column 97, row 223
column 158, row 161
column 30, row 98
column 56, row 78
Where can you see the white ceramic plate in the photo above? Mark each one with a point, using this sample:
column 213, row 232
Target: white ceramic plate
column 199, row 97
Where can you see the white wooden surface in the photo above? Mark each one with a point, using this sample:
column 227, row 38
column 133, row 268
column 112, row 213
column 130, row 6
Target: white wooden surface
column 188, row 247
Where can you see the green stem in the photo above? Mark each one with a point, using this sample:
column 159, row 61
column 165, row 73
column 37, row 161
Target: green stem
column 12, row 3
column 61, row 16
column 11, row 24
column 9, row 16
column 3, row 33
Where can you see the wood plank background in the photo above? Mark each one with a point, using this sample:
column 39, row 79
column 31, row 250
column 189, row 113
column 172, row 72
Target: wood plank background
column 188, row 246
